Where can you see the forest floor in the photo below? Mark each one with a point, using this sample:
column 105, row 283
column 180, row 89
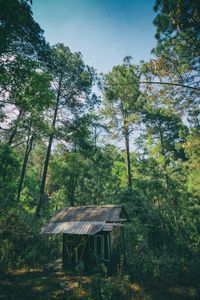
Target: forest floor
column 29, row 284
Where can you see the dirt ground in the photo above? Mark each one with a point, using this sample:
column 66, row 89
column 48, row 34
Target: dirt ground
column 29, row 284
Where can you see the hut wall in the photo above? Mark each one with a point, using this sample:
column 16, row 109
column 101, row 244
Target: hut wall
column 74, row 250
column 93, row 250
column 117, row 247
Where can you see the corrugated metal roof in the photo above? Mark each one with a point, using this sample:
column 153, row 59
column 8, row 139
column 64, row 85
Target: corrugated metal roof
column 85, row 219
column 106, row 213
column 79, row 227
column 72, row 228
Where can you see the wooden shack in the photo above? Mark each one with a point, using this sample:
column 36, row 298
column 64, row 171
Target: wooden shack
column 91, row 235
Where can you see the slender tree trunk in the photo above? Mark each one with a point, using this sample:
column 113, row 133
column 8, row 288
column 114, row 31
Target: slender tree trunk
column 127, row 146
column 48, row 153
column 44, row 175
column 162, row 226
column 72, row 188
column 14, row 131
column 128, row 161
column 25, row 161
column 167, row 183
column 95, row 138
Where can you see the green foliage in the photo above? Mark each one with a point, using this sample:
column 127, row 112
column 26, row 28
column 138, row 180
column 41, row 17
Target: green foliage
column 122, row 105
column 18, row 30
column 177, row 51
column 192, row 149
column 107, row 288
column 21, row 244
column 176, row 17
column 75, row 77
column 8, row 176
column 122, row 99
column 50, row 97
column 82, row 178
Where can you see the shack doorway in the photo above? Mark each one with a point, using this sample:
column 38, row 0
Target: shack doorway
column 74, row 247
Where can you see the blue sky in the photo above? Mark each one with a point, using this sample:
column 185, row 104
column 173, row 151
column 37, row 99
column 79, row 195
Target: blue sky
column 104, row 31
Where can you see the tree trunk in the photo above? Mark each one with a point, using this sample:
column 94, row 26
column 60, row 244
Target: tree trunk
column 168, row 193
column 72, row 188
column 48, row 153
column 14, row 131
column 126, row 137
column 128, row 161
column 23, row 171
column 95, row 137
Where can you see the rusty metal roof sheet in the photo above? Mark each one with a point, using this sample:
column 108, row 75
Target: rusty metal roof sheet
column 86, row 219
column 106, row 213
column 79, row 227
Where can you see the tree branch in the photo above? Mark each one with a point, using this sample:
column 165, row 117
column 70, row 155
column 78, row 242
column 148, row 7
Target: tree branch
column 172, row 83
column 20, row 143
column 162, row 83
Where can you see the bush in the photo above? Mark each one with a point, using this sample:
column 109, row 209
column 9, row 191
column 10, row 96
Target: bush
column 22, row 245
column 111, row 288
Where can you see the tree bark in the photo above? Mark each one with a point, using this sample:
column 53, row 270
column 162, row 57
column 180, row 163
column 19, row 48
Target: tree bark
column 127, row 146
column 72, row 188
column 167, row 178
column 29, row 145
column 48, row 153
column 128, row 161
column 14, row 131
